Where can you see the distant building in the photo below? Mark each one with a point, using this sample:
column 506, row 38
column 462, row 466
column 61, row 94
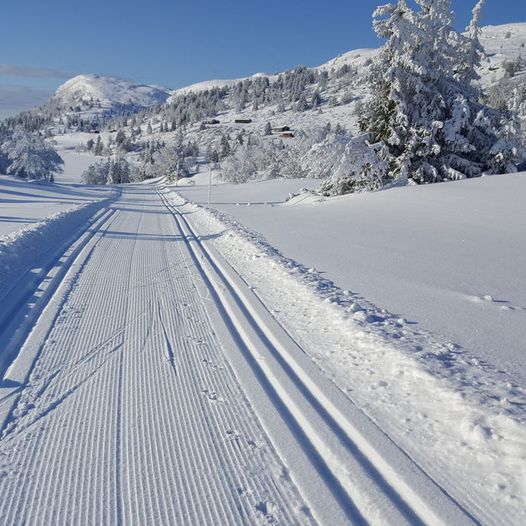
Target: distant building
column 281, row 129
column 212, row 121
column 287, row 135
column 243, row 121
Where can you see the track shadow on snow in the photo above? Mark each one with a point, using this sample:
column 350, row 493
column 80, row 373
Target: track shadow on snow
column 153, row 237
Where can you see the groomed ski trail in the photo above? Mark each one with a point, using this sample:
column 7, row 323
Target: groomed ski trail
column 162, row 391
column 131, row 414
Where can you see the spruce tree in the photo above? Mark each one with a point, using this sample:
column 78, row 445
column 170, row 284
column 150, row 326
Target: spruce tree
column 425, row 106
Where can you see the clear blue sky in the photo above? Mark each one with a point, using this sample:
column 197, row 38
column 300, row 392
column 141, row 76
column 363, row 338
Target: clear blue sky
column 178, row 42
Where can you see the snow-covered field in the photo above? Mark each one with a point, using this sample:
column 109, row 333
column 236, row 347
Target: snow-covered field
column 172, row 354
column 449, row 257
column 422, row 324
column 24, row 203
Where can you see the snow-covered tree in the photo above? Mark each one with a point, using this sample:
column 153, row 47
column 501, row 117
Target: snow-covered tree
column 425, row 108
column 99, row 147
column 31, row 157
column 225, row 147
column 111, row 171
column 170, row 160
column 240, row 166
column 467, row 72
column 355, row 165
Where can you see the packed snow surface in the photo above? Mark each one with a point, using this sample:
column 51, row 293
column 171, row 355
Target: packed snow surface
column 177, row 367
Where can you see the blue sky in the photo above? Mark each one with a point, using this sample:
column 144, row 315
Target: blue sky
column 178, row 42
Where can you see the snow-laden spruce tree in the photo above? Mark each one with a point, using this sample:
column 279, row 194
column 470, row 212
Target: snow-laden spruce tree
column 353, row 164
column 31, row 157
column 425, row 107
column 111, row 171
column 170, row 159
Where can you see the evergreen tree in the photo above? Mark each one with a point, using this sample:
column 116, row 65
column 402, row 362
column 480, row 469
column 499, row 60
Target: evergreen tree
column 424, row 107
column 225, row 147
column 120, row 138
column 99, row 147
column 31, row 157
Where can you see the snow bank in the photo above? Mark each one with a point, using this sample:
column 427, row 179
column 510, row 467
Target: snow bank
column 21, row 249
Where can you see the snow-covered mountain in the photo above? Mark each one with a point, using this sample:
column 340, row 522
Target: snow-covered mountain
column 503, row 43
column 109, row 91
column 89, row 98
column 341, row 95
column 84, row 99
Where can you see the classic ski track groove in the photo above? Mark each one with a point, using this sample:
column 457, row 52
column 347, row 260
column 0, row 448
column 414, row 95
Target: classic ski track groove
column 103, row 431
column 156, row 388
column 400, row 500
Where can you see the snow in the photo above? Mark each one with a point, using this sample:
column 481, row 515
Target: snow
column 211, row 84
column 148, row 337
column 24, row 203
column 386, row 246
column 109, row 90
column 263, row 359
column 357, row 58
column 129, row 390
column 502, row 43
column 359, row 301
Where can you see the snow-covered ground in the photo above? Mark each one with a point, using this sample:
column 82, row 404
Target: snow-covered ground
column 23, row 203
column 173, row 353
column 423, row 323
column 449, row 257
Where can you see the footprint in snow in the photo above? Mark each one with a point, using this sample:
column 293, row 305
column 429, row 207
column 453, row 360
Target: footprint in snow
column 268, row 509
column 233, row 436
column 488, row 299
column 213, row 396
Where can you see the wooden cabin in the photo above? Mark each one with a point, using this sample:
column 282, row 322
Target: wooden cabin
column 287, row 135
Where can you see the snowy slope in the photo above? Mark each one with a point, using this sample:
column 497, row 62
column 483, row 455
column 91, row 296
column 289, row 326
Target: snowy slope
column 446, row 258
column 211, row 84
column 109, row 91
column 503, row 43
column 450, row 257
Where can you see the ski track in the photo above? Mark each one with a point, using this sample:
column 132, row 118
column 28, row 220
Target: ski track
column 131, row 413
column 160, row 390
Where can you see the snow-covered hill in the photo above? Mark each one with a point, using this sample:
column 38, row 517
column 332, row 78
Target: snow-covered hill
column 503, row 43
column 86, row 98
column 109, row 91
column 341, row 95
column 90, row 98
